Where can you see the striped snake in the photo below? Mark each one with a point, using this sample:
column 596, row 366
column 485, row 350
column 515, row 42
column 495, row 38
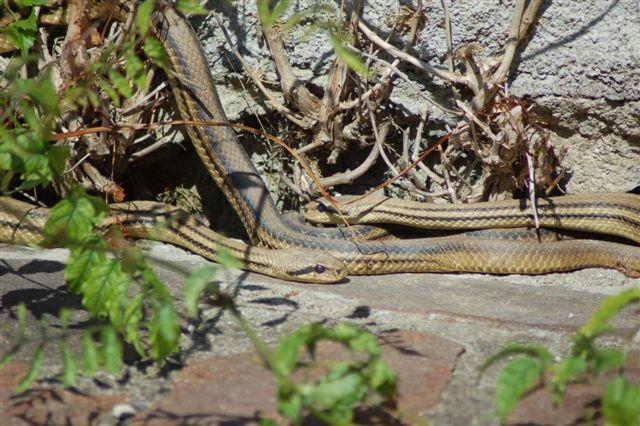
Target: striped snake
column 612, row 214
column 230, row 167
column 22, row 223
column 288, row 248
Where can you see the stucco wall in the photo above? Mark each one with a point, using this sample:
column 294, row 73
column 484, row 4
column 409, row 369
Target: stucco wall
column 581, row 67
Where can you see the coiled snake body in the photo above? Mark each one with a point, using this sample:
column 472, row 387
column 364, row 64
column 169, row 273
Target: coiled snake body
column 232, row 170
column 294, row 250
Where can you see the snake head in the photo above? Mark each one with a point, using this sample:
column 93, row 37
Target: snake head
column 309, row 266
column 321, row 211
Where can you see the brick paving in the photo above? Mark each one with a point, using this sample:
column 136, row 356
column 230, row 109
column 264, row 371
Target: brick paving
column 434, row 330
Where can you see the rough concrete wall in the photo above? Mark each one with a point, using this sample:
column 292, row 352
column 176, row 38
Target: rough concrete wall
column 581, row 66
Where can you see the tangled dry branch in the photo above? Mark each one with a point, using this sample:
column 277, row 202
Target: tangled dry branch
column 497, row 146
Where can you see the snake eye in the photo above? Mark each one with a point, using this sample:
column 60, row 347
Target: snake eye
column 319, row 268
column 321, row 208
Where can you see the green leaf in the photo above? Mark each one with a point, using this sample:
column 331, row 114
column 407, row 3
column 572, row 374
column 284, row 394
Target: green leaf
column 34, row 370
column 345, row 332
column 14, row 67
column 332, row 397
column 135, row 70
column 21, row 313
column 352, row 60
column 65, row 315
column 607, row 360
column 290, row 406
column 335, row 396
column 57, row 159
column 26, row 152
column 27, row 3
column 143, row 16
column 382, row 378
column 29, row 23
column 195, row 284
column 192, row 7
column 73, row 218
column 583, row 347
column 132, row 316
column 514, row 380
column 101, row 282
column 533, row 351
column 36, row 171
column 111, row 350
column 564, row 371
column 69, row 365
column 22, row 33
column 228, row 260
column 270, row 11
column 154, row 50
column 164, row 331
column 329, row 393
column 357, row 339
column 600, row 322
column 22, row 319
column 91, row 96
column 120, row 83
column 621, row 403
column 42, row 92
column 89, row 354
column 104, row 292
column 31, row 117
column 110, row 91
column 288, row 351
column 82, row 260
column 158, row 289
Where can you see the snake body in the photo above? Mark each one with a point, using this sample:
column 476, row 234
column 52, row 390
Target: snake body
column 612, row 214
column 232, row 170
column 294, row 250
column 22, row 223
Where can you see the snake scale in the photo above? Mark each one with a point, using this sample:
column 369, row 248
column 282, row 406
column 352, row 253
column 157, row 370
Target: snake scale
column 230, row 167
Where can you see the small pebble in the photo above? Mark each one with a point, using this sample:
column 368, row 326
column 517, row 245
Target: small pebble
column 123, row 410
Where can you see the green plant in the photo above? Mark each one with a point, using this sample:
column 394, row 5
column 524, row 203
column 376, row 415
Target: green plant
column 363, row 377
column 119, row 290
column 534, row 367
column 121, row 294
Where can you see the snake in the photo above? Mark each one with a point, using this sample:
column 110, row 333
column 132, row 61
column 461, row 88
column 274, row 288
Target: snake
column 230, row 167
column 610, row 214
column 23, row 223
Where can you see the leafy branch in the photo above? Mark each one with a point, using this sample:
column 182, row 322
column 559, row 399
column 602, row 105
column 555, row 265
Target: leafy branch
column 534, row 368
column 118, row 288
column 362, row 378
